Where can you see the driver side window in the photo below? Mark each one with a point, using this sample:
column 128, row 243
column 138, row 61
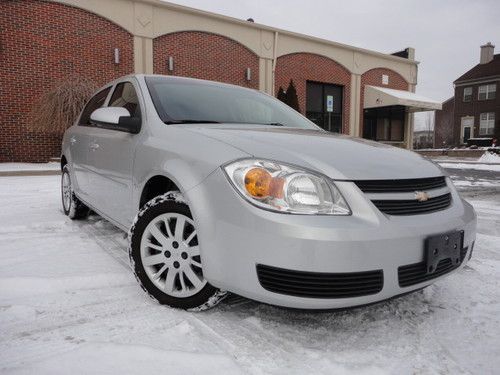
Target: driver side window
column 125, row 96
column 97, row 101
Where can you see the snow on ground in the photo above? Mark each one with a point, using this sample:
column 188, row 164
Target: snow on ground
column 70, row 304
column 16, row 167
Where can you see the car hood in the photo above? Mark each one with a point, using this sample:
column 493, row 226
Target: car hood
column 337, row 156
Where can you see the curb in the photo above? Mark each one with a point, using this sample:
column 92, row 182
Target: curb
column 29, row 173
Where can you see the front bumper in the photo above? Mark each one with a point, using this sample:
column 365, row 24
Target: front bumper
column 236, row 236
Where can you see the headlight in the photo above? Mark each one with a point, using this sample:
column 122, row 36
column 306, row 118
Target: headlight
column 284, row 188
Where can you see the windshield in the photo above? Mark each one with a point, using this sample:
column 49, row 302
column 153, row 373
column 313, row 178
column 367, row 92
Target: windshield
column 191, row 101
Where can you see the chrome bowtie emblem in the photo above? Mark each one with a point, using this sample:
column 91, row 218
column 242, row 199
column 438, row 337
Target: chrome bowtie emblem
column 421, row 196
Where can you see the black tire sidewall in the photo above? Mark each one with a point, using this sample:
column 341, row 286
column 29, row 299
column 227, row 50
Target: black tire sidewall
column 146, row 216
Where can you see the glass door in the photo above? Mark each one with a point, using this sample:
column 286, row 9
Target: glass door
column 467, row 126
column 324, row 105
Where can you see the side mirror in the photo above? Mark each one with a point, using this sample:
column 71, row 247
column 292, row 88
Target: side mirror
column 116, row 118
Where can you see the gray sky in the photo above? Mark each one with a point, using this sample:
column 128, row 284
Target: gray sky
column 446, row 34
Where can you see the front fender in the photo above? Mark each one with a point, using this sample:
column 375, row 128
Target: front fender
column 183, row 157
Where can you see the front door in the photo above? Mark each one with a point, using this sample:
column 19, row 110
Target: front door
column 80, row 143
column 467, row 128
column 112, row 158
column 324, row 105
column 466, row 133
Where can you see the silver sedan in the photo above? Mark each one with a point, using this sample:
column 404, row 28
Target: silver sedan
column 225, row 189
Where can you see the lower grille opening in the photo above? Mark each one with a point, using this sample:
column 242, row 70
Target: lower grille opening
column 416, row 273
column 319, row 284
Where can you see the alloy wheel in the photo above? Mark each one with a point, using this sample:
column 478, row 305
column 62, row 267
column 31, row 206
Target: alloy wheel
column 171, row 256
column 66, row 191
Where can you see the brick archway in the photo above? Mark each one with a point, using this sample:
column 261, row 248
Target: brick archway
column 373, row 77
column 43, row 43
column 204, row 55
column 303, row 67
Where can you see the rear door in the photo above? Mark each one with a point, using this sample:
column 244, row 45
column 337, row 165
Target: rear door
column 79, row 142
column 112, row 158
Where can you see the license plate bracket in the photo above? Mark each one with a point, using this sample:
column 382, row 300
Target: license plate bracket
column 443, row 246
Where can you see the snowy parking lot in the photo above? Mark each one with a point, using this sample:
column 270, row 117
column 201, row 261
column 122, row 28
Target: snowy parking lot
column 69, row 303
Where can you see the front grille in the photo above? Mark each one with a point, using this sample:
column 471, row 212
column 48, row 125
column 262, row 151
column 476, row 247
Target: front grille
column 416, row 273
column 320, row 285
column 413, row 207
column 400, row 186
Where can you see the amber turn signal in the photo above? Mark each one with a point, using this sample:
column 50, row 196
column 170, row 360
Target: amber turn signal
column 260, row 184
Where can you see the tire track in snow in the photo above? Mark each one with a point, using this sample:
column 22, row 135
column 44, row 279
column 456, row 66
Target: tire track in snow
column 236, row 339
column 107, row 242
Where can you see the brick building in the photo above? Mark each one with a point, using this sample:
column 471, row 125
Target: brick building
column 44, row 42
column 472, row 115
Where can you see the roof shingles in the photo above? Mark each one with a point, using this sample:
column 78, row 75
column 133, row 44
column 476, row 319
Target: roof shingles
column 482, row 70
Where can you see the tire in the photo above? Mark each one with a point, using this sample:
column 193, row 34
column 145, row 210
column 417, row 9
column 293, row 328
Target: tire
column 72, row 206
column 165, row 257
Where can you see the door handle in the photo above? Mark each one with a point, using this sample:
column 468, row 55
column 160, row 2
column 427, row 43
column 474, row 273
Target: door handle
column 94, row 146
column 72, row 141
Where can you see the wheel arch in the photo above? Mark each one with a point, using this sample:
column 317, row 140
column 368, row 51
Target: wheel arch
column 156, row 185
column 64, row 161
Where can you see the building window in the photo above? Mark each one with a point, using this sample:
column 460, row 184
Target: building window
column 467, row 94
column 384, row 124
column 487, row 92
column 487, row 123
column 324, row 105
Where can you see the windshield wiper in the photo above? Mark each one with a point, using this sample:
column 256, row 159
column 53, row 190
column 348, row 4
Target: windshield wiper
column 275, row 124
column 187, row 121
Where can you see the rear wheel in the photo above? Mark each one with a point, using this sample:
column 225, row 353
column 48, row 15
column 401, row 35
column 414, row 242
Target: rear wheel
column 165, row 253
column 72, row 206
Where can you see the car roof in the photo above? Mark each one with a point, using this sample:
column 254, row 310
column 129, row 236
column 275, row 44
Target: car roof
column 141, row 77
column 170, row 78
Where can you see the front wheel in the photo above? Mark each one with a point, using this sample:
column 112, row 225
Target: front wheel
column 165, row 255
column 72, row 206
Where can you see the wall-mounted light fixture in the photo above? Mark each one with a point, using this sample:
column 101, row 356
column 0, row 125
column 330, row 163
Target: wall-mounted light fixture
column 170, row 63
column 248, row 74
column 117, row 55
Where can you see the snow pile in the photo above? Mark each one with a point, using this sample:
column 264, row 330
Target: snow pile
column 479, row 167
column 489, row 157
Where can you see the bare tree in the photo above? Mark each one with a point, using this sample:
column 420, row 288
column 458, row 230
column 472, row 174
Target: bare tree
column 443, row 131
column 58, row 108
column 429, row 127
